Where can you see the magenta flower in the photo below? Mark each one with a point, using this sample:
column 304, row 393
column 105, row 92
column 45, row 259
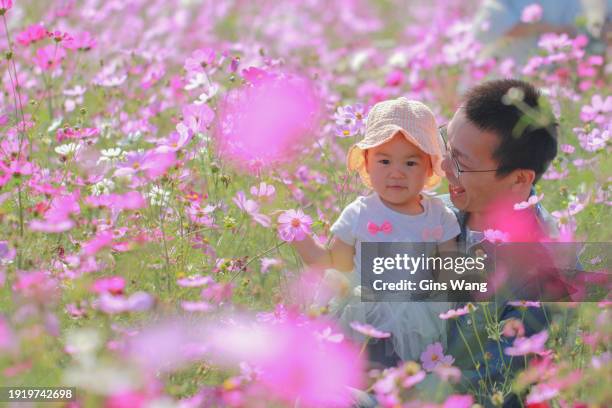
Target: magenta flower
column 267, row 121
column 532, row 13
column 198, row 117
column 49, row 57
column 532, row 201
column 263, row 190
column 597, row 110
column 137, row 302
column 201, row 215
column 57, row 218
column 6, row 335
column 5, row 5
column 31, row 34
column 293, row 225
column 251, row 208
column 455, row 313
column 528, row 345
column 101, row 240
column 369, row 331
column 112, row 284
column 318, row 376
column 176, row 140
column 82, row 41
column 433, row 356
column 200, row 60
column 154, row 164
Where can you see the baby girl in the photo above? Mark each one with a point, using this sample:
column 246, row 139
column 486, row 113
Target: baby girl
column 398, row 158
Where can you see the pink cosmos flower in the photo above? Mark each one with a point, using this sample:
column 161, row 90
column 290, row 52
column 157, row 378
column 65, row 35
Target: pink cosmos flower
column 154, row 164
column 112, row 284
column 532, row 13
column 251, row 208
column 137, row 302
column 56, row 218
column 369, row 331
column 200, row 60
column 528, row 345
column 433, row 356
column 126, row 399
column 532, row 201
column 5, row 5
column 597, row 110
column 567, row 148
column 31, row 34
column 82, row 41
column 540, row 393
column 293, row 225
column 176, row 140
column 101, row 240
column 455, row 313
column 198, row 117
column 201, row 215
column 318, row 376
column 267, row 121
column 263, row 191
column 49, row 57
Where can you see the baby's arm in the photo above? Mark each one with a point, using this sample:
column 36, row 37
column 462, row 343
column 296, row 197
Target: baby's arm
column 338, row 256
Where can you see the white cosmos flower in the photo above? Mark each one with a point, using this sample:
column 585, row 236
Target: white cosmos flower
column 67, row 149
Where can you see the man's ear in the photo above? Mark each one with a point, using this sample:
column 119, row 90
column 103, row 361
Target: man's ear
column 522, row 179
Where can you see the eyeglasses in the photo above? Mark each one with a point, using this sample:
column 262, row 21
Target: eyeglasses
column 448, row 151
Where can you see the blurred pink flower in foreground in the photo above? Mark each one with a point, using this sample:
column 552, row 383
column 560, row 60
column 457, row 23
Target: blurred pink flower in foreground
column 296, row 363
column 532, row 13
column 293, row 225
column 433, row 356
column 527, row 345
column 267, row 121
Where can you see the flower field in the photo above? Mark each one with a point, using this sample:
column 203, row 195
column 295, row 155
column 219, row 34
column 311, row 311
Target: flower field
column 158, row 158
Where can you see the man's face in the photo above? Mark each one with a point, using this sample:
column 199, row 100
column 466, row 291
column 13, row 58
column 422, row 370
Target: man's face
column 473, row 150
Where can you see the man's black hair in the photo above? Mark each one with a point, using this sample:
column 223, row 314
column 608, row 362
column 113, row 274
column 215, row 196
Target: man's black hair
column 495, row 106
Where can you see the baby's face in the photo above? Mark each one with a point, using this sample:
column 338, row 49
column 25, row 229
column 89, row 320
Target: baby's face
column 398, row 172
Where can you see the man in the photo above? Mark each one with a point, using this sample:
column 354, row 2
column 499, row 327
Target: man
column 494, row 153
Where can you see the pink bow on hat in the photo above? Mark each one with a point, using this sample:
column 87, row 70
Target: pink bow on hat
column 434, row 233
column 385, row 227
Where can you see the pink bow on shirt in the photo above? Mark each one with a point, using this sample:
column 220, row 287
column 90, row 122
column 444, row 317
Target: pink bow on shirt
column 385, row 227
column 434, row 233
